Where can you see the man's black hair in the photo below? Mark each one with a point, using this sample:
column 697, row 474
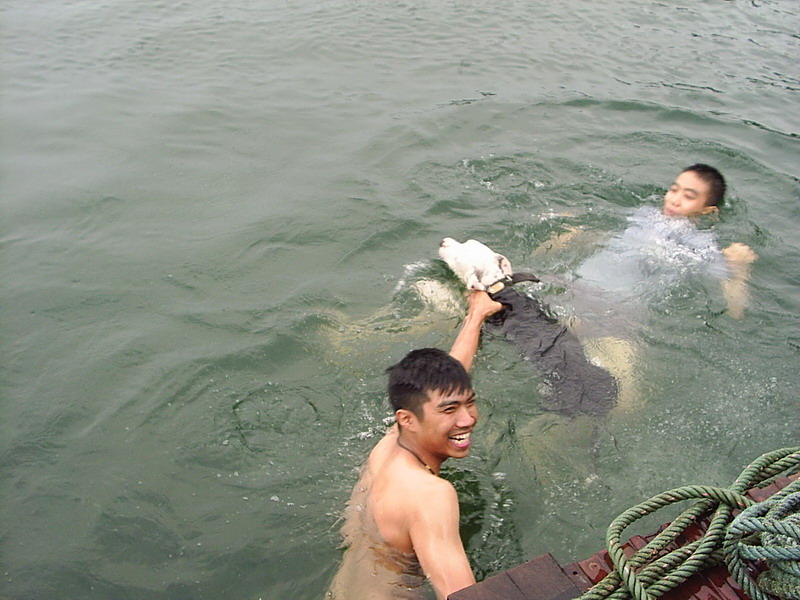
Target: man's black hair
column 714, row 179
column 422, row 371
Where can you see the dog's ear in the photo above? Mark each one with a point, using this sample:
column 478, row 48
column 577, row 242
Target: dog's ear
column 505, row 264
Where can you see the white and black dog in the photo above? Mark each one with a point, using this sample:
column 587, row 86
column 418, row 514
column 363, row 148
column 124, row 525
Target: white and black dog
column 578, row 386
column 478, row 266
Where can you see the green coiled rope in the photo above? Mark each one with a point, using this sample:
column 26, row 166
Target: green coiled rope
column 654, row 570
column 768, row 531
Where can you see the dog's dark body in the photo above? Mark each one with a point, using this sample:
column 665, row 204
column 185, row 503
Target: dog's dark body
column 577, row 385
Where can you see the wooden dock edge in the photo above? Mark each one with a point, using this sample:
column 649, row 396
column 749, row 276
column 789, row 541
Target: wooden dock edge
column 538, row 579
column 542, row 578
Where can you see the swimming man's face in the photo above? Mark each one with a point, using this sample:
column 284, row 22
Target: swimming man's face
column 688, row 196
column 447, row 423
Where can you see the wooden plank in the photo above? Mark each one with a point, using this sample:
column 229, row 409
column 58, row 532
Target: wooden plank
column 543, row 579
column 538, row 579
column 496, row 587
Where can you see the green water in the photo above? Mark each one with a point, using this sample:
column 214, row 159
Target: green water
column 212, row 214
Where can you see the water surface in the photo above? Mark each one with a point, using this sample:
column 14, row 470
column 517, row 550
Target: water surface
column 212, row 217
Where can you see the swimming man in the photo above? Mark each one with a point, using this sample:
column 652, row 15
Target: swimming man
column 699, row 190
column 659, row 249
column 402, row 521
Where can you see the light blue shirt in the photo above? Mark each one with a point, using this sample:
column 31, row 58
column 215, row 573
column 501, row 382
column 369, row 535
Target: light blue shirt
column 654, row 254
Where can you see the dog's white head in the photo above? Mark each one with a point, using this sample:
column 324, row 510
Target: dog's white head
column 477, row 265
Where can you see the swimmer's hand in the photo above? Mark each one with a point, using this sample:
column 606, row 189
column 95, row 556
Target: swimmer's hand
column 739, row 257
column 481, row 306
column 739, row 254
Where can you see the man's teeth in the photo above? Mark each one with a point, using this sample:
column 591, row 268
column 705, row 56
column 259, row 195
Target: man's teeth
column 460, row 437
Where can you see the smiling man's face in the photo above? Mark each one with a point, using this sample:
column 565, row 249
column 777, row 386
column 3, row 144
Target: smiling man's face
column 447, row 422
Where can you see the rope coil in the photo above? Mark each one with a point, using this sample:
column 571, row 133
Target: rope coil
column 654, row 570
column 768, row 531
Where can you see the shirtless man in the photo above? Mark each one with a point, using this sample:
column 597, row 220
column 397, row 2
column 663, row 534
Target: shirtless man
column 402, row 521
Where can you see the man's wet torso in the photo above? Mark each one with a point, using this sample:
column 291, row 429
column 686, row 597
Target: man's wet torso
column 371, row 568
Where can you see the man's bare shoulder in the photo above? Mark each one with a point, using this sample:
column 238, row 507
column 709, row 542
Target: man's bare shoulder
column 400, row 481
column 415, row 495
column 435, row 494
column 383, row 449
column 391, row 466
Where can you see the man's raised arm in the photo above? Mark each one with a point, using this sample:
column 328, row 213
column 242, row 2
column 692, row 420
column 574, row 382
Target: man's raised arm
column 465, row 346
